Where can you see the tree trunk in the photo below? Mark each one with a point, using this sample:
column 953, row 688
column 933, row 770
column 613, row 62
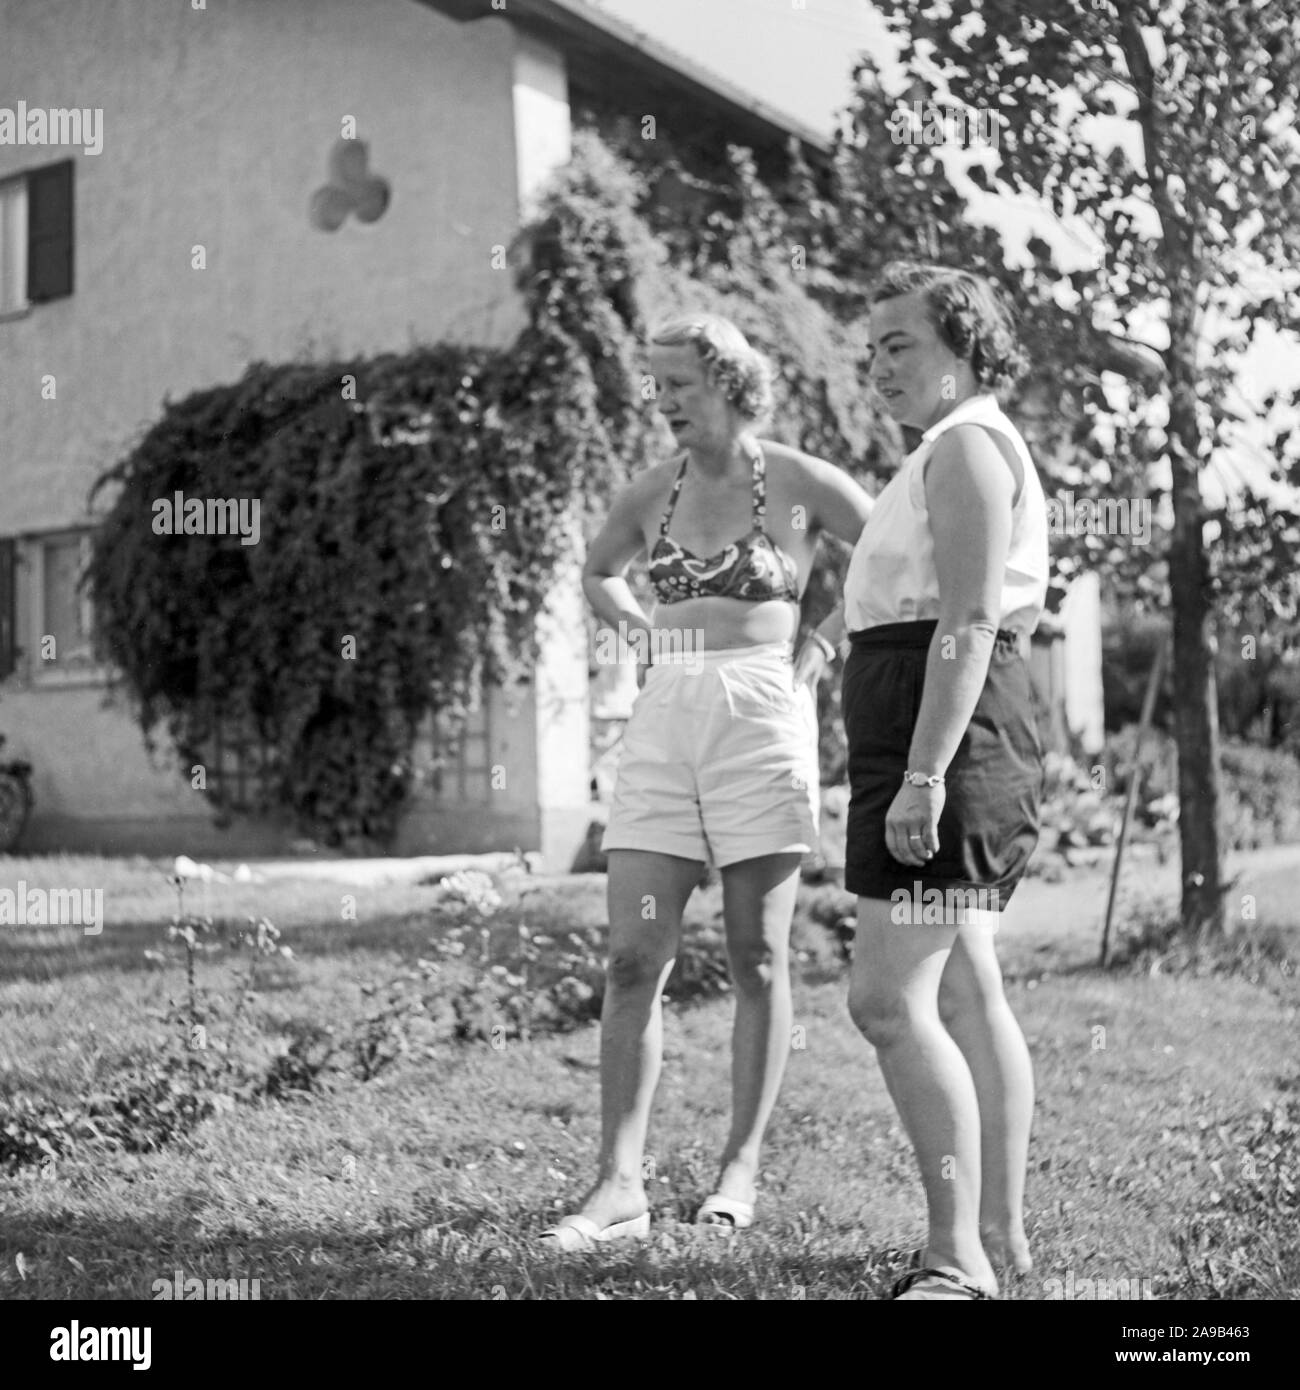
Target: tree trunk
column 1196, row 711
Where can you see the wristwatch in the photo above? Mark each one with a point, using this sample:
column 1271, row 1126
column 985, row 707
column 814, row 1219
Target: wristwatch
column 919, row 779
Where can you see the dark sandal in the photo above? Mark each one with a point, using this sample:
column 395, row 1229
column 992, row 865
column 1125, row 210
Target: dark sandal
column 914, row 1276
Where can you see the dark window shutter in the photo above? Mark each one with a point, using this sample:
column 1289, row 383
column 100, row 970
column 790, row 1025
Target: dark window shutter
column 49, row 232
column 8, row 559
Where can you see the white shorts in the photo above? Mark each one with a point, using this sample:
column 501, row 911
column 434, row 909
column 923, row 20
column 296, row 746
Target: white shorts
column 719, row 759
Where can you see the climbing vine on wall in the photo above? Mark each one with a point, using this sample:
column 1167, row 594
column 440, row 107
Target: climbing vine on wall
column 413, row 510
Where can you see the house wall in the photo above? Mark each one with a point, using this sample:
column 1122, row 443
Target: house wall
column 543, row 133
column 217, row 127
column 1084, row 702
column 216, row 130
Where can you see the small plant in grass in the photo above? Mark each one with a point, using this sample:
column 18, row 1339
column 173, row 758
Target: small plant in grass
column 203, row 1070
column 208, row 1051
column 485, row 978
column 199, row 1070
column 469, row 893
column 834, row 911
column 33, row 1132
column 490, row 979
column 1153, row 941
column 514, row 983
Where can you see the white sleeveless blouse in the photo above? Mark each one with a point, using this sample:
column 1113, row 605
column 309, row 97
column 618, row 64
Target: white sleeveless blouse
column 892, row 578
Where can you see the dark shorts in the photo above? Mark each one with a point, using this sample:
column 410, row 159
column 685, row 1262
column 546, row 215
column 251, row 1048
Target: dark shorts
column 989, row 823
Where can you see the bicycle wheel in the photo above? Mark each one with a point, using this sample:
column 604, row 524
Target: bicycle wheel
column 15, row 803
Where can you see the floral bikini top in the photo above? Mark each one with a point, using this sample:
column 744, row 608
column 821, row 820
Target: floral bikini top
column 753, row 567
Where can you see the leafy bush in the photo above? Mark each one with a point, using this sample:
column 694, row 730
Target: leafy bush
column 1159, row 763
column 1076, row 809
column 409, row 537
column 1260, row 796
column 1152, row 940
column 1129, row 643
column 148, row 1106
column 1259, row 790
column 1259, row 787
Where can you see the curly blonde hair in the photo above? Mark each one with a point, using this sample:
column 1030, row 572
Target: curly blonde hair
column 743, row 374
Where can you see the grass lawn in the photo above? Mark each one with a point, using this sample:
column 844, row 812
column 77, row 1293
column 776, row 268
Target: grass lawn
column 1149, row 1160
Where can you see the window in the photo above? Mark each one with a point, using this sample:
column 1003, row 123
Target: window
column 13, row 246
column 60, row 613
column 239, row 764
column 67, row 612
column 8, row 607
column 36, row 237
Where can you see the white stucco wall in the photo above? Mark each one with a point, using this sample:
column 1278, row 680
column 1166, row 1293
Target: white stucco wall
column 1084, row 702
column 543, row 135
column 217, row 127
column 561, row 697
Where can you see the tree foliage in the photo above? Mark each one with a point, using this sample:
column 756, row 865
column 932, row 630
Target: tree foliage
column 1190, row 208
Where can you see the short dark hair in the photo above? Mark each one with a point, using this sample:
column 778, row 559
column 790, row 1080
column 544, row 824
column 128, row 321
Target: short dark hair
column 969, row 314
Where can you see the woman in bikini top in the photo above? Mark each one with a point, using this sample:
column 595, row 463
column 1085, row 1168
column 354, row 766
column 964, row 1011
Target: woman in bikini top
column 704, row 776
column 753, row 568
column 732, row 571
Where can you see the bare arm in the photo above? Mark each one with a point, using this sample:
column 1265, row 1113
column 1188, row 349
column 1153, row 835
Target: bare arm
column 619, row 542
column 838, row 506
column 968, row 492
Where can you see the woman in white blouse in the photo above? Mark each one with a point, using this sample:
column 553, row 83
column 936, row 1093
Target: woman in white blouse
column 945, row 768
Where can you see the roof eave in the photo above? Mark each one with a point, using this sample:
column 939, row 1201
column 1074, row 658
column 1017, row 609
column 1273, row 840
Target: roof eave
column 571, row 20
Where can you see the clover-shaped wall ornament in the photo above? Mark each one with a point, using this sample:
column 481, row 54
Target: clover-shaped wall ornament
column 350, row 189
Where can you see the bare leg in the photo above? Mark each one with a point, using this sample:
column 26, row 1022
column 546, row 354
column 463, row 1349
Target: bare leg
column 758, row 899
column 647, row 894
column 975, row 1011
column 893, row 998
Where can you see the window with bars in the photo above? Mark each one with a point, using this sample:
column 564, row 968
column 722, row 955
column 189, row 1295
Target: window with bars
column 464, row 775
column 241, row 764
column 238, row 764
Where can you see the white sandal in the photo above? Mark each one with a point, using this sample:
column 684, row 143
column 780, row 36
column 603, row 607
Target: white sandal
column 718, row 1210
column 581, row 1233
